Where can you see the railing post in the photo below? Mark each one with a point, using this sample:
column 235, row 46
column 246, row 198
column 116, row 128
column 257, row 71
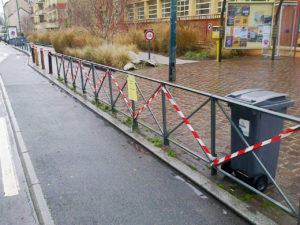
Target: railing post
column 50, row 63
column 72, row 73
column 110, row 92
column 58, row 70
column 298, row 216
column 213, row 132
column 64, row 70
column 94, row 83
column 81, row 76
column 164, row 115
column 32, row 54
column 42, row 58
column 134, row 120
column 36, row 56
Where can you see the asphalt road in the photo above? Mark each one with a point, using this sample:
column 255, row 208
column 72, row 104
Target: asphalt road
column 91, row 173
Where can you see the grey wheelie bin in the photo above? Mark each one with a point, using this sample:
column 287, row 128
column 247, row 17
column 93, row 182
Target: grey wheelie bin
column 256, row 127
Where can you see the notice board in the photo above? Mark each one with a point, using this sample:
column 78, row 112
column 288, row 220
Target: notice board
column 248, row 25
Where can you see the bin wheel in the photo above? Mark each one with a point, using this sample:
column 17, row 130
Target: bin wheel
column 227, row 167
column 261, row 182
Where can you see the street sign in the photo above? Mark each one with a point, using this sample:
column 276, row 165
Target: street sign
column 149, row 35
column 209, row 26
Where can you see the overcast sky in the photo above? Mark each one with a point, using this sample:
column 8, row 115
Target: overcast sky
column 1, row 7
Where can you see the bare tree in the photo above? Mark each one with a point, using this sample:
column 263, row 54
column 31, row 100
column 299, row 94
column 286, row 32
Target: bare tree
column 27, row 24
column 81, row 13
column 100, row 15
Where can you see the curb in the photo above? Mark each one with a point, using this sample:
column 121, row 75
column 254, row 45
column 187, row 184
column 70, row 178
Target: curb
column 244, row 210
column 35, row 190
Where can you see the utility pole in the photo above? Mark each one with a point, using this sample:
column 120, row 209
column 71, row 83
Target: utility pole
column 20, row 29
column 4, row 15
column 172, row 51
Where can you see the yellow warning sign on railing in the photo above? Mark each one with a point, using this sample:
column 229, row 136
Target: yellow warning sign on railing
column 132, row 93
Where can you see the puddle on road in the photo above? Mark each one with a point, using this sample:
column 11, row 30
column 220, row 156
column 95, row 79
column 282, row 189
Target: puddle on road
column 196, row 190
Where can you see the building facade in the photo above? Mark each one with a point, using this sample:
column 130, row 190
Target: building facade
column 49, row 14
column 11, row 13
column 203, row 14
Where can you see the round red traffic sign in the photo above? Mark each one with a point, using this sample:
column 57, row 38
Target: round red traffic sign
column 209, row 26
column 149, row 35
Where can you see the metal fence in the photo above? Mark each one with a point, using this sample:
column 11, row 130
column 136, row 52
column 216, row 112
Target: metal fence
column 159, row 110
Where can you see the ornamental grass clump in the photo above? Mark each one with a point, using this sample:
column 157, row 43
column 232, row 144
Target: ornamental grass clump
column 114, row 55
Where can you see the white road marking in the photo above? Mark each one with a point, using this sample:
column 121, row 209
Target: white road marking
column 9, row 177
column 3, row 56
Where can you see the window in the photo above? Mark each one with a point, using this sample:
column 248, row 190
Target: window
column 166, row 8
column 130, row 12
column 182, row 7
column 202, row 7
column 220, row 3
column 153, row 9
column 141, row 11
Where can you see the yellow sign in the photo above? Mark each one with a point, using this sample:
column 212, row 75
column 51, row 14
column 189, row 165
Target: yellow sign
column 216, row 32
column 132, row 93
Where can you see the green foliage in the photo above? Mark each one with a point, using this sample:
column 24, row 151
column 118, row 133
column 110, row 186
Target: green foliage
column 60, row 79
column 172, row 153
column 106, row 108
column 244, row 198
column 93, row 102
column 196, row 55
column 156, row 141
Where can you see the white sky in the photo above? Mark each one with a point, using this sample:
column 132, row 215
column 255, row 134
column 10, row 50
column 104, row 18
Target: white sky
column 1, row 7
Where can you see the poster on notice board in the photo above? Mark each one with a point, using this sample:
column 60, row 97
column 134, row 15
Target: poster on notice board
column 248, row 25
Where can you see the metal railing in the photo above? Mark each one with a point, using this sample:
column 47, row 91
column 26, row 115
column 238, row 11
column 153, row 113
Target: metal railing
column 78, row 74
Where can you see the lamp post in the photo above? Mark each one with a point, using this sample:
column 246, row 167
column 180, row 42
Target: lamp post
column 20, row 29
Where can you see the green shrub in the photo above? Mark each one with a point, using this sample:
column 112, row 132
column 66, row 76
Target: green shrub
column 196, row 55
column 172, row 153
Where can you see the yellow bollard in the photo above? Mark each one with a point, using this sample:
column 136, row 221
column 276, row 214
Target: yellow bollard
column 42, row 58
column 36, row 57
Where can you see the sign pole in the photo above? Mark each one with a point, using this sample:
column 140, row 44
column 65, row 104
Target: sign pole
column 149, row 35
column 275, row 30
column 149, row 50
column 172, row 51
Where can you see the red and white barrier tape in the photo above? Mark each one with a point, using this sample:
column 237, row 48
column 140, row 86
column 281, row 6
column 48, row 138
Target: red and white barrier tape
column 120, row 90
column 282, row 135
column 203, row 146
column 88, row 78
column 147, row 103
column 99, row 82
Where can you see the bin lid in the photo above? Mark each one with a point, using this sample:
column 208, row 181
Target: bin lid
column 262, row 98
